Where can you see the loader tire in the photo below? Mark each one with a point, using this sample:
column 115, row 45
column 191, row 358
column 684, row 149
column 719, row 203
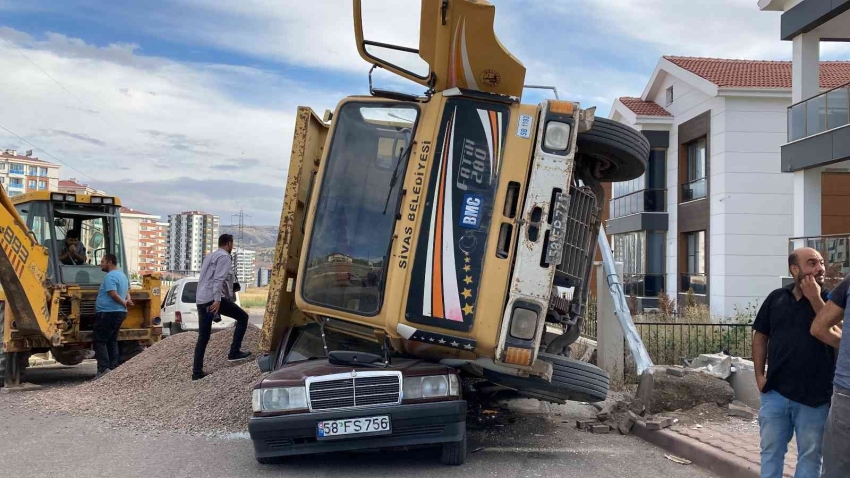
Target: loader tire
column 625, row 149
column 128, row 349
column 69, row 358
column 2, row 355
column 572, row 380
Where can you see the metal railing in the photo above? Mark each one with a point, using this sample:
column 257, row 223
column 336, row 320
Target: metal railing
column 835, row 249
column 697, row 282
column 826, row 111
column 643, row 285
column 643, row 200
column 695, row 189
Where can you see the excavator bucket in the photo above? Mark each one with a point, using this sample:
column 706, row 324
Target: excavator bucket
column 458, row 43
column 23, row 264
column 307, row 146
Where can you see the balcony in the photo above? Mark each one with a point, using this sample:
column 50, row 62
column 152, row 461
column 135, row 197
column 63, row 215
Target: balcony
column 697, row 282
column 817, row 130
column 642, row 210
column 835, row 250
column 694, row 190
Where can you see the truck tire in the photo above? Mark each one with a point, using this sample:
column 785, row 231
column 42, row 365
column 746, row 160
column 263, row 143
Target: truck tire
column 572, row 380
column 128, row 349
column 454, row 453
column 626, row 149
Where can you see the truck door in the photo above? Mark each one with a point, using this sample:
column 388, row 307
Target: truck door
column 307, row 147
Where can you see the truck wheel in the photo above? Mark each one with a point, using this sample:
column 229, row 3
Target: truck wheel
column 454, row 453
column 68, row 357
column 572, row 380
column 623, row 148
column 127, row 350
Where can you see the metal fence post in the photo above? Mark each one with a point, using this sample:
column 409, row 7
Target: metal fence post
column 609, row 333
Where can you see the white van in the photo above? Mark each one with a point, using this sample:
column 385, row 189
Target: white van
column 179, row 312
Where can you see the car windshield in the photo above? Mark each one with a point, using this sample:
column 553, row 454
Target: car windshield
column 357, row 205
column 307, row 344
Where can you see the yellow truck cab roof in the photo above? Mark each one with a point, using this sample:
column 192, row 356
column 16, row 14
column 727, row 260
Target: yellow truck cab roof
column 52, row 195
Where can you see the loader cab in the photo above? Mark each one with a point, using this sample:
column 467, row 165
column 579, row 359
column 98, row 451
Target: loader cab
column 88, row 225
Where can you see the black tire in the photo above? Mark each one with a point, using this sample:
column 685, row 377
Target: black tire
column 174, row 329
column 626, row 149
column 454, row 453
column 572, row 380
column 69, row 357
column 2, row 355
column 275, row 460
column 128, row 349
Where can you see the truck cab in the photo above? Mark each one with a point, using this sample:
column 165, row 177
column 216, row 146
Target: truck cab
column 449, row 224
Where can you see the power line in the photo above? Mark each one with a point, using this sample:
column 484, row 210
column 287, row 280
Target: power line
column 45, row 152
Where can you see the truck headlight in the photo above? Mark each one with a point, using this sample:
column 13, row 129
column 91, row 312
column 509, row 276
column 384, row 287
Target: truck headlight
column 279, row 398
column 432, row 386
column 557, row 136
column 523, row 323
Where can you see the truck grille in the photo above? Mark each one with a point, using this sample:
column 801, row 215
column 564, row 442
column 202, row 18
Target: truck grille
column 578, row 240
column 366, row 389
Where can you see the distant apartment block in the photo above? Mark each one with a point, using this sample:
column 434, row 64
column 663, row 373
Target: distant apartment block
column 73, row 186
column 144, row 241
column 245, row 264
column 22, row 174
column 191, row 236
column 264, row 275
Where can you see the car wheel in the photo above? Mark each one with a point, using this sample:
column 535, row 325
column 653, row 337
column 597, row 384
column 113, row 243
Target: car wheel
column 174, row 329
column 454, row 453
column 572, row 380
column 621, row 148
column 275, row 460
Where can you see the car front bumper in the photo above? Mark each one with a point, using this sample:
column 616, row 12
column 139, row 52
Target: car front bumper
column 420, row 424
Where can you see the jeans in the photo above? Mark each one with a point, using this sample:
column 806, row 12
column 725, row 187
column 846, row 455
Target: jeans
column 205, row 321
column 836, row 440
column 105, row 338
column 779, row 419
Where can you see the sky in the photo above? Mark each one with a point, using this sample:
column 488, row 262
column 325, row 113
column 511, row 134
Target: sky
column 190, row 104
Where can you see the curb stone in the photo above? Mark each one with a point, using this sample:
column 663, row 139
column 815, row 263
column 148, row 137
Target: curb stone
column 700, row 454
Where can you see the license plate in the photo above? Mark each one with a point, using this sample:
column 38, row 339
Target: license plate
column 560, row 208
column 353, row 426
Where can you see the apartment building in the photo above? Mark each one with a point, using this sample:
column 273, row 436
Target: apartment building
column 245, row 264
column 715, row 210
column 144, row 241
column 25, row 173
column 816, row 150
column 191, row 236
column 73, row 186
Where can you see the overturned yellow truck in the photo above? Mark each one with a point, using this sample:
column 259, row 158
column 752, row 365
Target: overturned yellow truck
column 47, row 300
column 449, row 226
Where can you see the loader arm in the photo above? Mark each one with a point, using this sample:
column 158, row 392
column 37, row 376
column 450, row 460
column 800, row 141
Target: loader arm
column 307, row 146
column 23, row 271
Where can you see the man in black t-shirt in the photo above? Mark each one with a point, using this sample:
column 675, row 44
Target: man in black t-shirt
column 798, row 386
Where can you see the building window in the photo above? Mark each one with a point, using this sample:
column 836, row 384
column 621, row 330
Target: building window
column 42, row 172
column 33, row 171
column 42, row 185
column 642, row 255
column 695, row 184
column 32, row 183
column 16, row 183
column 694, row 275
column 669, row 96
column 2, row 166
column 16, row 168
column 645, row 194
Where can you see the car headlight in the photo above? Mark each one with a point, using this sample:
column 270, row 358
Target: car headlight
column 432, row 386
column 523, row 323
column 279, row 398
column 557, row 136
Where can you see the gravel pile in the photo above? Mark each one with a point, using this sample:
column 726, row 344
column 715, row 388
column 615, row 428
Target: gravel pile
column 155, row 390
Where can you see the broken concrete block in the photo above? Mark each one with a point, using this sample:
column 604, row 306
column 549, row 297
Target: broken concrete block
column 584, row 424
column 637, row 407
column 603, row 415
column 676, row 372
column 601, row 429
column 646, row 385
column 627, row 423
column 740, row 412
column 622, row 405
column 659, row 423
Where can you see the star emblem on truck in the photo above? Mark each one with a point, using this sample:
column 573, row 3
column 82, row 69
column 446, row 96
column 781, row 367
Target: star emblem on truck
column 454, row 344
column 441, row 341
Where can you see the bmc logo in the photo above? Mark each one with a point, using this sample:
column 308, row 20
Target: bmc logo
column 471, row 213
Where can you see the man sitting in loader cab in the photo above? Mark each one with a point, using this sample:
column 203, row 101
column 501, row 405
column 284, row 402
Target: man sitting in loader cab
column 74, row 252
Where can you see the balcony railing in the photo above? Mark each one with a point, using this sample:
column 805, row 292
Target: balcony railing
column 697, row 282
column 695, row 189
column 835, row 250
column 826, row 111
column 643, row 285
column 644, row 200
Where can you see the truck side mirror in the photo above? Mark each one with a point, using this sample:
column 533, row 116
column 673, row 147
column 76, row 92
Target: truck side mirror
column 265, row 363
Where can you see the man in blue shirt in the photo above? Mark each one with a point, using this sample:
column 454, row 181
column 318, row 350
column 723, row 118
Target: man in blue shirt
column 831, row 327
column 113, row 299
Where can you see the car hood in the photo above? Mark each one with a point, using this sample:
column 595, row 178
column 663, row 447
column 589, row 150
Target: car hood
column 296, row 374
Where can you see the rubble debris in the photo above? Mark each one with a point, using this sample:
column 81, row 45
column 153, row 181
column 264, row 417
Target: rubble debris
column 600, row 429
column 585, row 424
column 678, row 460
column 660, row 423
column 637, row 407
column 154, row 389
column 740, row 411
column 676, row 371
column 627, row 423
column 682, row 393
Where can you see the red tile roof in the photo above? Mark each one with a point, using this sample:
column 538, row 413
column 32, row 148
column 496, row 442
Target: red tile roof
column 644, row 108
column 758, row 74
column 31, row 159
column 63, row 183
column 129, row 210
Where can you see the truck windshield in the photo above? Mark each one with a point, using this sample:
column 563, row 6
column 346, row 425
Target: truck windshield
column 353, row 225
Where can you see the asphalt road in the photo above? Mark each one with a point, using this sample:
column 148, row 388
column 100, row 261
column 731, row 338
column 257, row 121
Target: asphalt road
column 530, row 443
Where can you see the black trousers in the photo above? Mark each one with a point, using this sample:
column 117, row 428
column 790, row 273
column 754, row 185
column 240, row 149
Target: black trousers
column 105, row 338
column 205, row 321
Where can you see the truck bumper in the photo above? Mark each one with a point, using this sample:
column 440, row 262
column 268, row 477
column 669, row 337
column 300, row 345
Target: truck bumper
column 420, row 424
